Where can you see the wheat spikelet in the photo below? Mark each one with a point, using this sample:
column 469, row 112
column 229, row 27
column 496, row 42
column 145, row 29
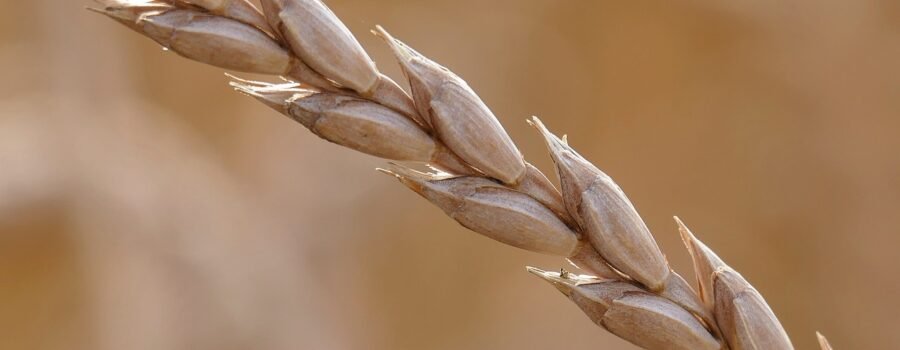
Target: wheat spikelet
column 479, row 177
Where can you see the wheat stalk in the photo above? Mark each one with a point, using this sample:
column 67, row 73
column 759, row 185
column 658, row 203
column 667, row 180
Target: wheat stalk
column 478, row 176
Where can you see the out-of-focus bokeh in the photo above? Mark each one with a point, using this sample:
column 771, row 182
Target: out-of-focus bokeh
column 144, row 205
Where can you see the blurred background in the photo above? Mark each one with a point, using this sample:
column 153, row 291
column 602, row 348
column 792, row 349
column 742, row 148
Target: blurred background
column 144, row 205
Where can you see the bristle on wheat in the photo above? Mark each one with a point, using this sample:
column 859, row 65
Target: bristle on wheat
column 823, row 342
column 608, row 218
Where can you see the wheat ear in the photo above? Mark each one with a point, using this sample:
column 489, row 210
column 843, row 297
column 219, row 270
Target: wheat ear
column 478, row 177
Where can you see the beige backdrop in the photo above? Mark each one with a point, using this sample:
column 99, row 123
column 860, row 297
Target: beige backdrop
column 144, row 205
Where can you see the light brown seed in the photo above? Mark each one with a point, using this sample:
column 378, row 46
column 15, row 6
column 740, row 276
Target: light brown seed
column 600, row 223
column 746, row 321
column 331, row 56
column 626, row 310
column 493, row 210
column 677, row 289
column 652, row 322
column 471, row 131
column 535, row 184
column 386, row 92
column 363, row 126
column 608, row 218
column 458, row 116
column 323, row 42
column 210, row 39
column 743, row 316
column 355, row 123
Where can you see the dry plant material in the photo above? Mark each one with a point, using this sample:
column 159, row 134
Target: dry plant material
column 239, row 10
column 480, row 178
column 318, row 38
column 626, row 310
column 744, row 317
column 493, row 210
column 324, row 44
column 356, row 123
column 458, row 116
column 823, row 343
column 608, row 218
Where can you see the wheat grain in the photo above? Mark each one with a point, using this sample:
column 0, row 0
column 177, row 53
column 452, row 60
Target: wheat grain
column 482, row 180
column 607, row 216
column 458, row 116
column 323, row 42
column 744, row 317
column 498, row 212
column 632, row 313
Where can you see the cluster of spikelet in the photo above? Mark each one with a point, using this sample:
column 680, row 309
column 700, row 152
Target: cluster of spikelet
column 477, row 175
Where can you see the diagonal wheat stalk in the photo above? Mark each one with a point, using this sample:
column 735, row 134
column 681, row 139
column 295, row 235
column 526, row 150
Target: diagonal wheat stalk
column 476, row 174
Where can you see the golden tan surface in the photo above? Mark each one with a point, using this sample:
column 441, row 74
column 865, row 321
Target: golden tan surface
column 144, row 205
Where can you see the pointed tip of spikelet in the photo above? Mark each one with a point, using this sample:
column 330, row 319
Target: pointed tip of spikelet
column 276, row 96
column 823, row 342
column 563, row 280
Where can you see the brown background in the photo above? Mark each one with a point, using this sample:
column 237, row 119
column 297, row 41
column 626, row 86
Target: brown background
column 144, row 205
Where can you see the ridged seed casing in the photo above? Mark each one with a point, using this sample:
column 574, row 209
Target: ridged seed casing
column 468, row 127
column 495, row 211
column 217, row 41
column 323, row 42
column 608, row 218
column 628, row 311
column 459, row 117
column 652, row 322
column 613, row 225
column 363, row 126
column 746, row 320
